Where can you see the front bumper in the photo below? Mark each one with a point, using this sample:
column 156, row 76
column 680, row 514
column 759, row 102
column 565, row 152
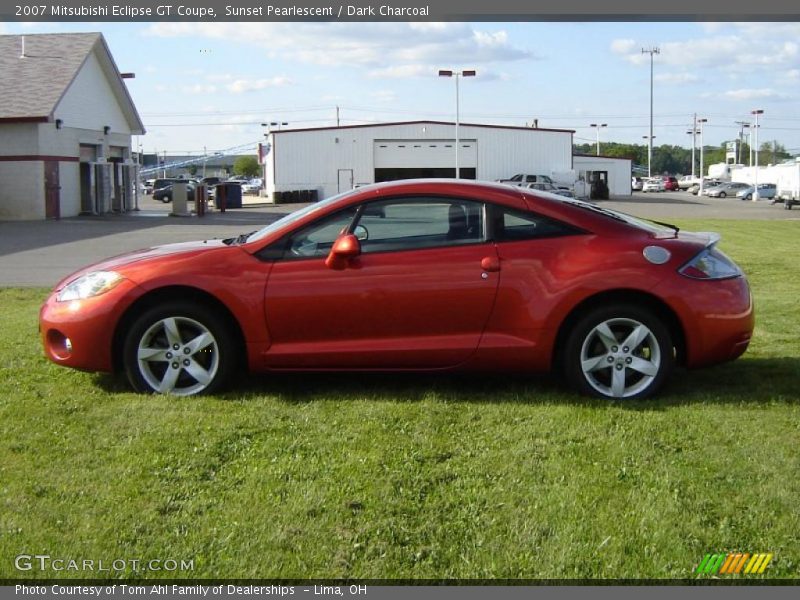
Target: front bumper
column 80, row 333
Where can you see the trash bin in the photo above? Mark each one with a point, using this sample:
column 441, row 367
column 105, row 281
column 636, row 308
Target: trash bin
column 228, row 195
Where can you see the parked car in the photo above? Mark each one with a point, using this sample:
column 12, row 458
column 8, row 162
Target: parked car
column 637, row 183
column 670, row 183
column 211, row 181
column 543, row 186
column 766, row 191
column 165, row 193
column 730, row 188
column 148, row 186
column 252, row 187
column 330, row 287
column 687, row 181
column 162, row 183
column 707, row 183
column 653, row 184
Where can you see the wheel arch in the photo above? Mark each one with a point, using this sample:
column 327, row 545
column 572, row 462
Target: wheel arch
column 623, row 296
column 173, row 293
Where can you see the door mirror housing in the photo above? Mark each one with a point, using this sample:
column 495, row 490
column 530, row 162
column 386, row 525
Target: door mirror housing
column 344, row 249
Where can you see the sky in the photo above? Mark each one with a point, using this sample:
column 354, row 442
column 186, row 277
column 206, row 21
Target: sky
column 211, row 85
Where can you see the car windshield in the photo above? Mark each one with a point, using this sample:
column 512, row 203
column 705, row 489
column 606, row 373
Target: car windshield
column 295, row 216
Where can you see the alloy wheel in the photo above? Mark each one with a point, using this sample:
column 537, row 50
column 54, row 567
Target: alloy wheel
column 620, row 357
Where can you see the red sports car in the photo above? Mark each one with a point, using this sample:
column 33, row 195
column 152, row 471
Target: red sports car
column 412, row 275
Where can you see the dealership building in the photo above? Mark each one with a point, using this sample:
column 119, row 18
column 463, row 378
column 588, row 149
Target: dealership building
column 335, row 159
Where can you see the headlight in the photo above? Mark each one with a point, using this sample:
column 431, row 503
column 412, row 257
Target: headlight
column 89, row 285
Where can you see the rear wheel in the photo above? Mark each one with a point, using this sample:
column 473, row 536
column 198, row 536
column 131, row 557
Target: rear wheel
column 179, row 349
column 622, row 352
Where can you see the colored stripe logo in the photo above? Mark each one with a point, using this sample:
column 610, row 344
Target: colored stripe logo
column 734, row 563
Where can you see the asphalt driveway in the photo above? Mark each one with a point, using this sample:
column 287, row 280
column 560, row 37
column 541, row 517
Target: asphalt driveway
column 39, row 253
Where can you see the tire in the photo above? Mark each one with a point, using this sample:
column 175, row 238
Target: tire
column 166, row 199
column 179, row 349
column 722, row 194
column 596, row 362
column 748, row 197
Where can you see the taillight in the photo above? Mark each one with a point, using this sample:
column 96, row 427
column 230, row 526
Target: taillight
column 711, row 263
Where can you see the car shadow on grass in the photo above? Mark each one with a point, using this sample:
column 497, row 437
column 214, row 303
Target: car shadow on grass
column 753, row 381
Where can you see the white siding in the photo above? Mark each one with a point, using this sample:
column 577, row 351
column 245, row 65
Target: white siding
column 21, row 190
column 619, row 172
column 89, row 102
column 311, row 159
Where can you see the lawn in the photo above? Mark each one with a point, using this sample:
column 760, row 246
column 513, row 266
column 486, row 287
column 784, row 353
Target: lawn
column 423, row 477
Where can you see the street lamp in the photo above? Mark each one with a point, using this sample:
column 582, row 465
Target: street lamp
column 597, row 129
column 651, row 52
column 457, row 75
column 702, row 166
column 756, row 112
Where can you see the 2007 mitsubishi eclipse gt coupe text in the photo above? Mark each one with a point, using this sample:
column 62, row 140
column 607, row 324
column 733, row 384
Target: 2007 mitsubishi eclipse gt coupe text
column 414, row 275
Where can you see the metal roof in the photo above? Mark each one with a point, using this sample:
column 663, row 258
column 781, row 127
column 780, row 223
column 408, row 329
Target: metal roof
column 33, row 83
column 395, row 123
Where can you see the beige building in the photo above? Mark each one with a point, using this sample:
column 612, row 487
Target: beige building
column 66, row 121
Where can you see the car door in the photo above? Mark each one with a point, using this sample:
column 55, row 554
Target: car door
column 418, row 296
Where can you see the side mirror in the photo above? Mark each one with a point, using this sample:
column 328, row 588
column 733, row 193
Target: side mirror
column 344, row 249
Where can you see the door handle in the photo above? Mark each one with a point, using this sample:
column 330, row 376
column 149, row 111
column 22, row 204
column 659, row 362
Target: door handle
column 490, row 263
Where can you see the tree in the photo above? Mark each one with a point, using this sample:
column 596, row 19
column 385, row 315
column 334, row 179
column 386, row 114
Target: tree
column 247, row 166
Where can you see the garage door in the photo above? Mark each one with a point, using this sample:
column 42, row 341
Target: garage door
column 407, row 159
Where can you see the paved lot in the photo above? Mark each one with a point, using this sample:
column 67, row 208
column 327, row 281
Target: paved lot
column 39, row 253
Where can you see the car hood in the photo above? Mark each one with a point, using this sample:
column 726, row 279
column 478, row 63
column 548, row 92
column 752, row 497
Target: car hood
column 129, row 258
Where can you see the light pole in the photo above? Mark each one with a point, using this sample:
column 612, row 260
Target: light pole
column 597, row 129
column 457, row 75
column 702, row 166
column 651, row 52
column 649, row 139
column 756, row 112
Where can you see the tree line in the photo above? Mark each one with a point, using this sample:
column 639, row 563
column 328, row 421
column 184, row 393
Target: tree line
column 676, row 160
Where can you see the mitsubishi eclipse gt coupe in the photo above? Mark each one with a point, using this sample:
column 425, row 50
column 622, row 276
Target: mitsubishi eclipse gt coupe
column 416, row 275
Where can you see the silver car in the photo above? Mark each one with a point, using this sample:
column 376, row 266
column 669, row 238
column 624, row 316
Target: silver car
column 766, row 191
column 730, row 188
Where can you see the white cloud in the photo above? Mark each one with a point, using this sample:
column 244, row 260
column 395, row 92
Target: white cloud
column 623, row 46
column 384, row 96
column 241, row 86
column 199, row 88
column 355, row 44
column 754, row 94
column 676, row 78
column 403, row 71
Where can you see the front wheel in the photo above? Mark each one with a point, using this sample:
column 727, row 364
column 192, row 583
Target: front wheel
column 179, row 349
column 622, row 352
column 722, row 194
column 748, row 197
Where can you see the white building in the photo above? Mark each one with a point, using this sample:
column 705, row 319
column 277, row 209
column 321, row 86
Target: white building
column 66, row 120
column 334, row 159
column 615, row 172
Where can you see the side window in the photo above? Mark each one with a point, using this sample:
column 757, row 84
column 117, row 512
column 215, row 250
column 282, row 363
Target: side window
column 316, row 239
column 510, row 225
column 419, row 222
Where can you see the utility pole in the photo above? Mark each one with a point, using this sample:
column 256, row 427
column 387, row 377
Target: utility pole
column 742, row 125
column 337, row 116
column 651, row 52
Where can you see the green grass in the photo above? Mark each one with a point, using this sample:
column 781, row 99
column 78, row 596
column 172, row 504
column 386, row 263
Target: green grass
column 413, row 476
